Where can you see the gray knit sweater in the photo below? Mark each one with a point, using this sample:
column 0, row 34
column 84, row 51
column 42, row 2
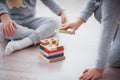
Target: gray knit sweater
column 88, row 9
column 21, row 9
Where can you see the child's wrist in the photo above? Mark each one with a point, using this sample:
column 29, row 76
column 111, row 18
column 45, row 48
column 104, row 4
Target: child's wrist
column 4, row 17
column 99, row 70
column 62, row 12
column 80, row 21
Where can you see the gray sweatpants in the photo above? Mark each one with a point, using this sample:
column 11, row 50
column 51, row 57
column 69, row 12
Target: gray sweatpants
column 34, row 28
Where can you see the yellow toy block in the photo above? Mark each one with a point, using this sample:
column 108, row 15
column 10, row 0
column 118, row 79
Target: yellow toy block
column 63, row 31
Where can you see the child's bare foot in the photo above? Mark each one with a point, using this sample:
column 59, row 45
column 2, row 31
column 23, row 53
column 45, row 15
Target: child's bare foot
column 92, row 74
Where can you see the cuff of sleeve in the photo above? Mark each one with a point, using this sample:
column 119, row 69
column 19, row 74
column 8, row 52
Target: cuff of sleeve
column 101, row 64
column 58, row 11
column 2, row 11
column 84, row 16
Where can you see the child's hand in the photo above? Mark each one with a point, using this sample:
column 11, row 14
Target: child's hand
column 73, row 26
column 63, row 17
column 92, row 74
column 8, row 25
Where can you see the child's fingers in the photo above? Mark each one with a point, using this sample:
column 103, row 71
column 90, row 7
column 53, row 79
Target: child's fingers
column 65, row 27
column 89, row 76
column 83, row 76
column 14, row 25
column 3, row 30
column 96, row 76
column 62, row 27
column 10, row 31
column 64, row 20
column 85, row 71
column 7, row 31
column 72, row 31
column 93, row 78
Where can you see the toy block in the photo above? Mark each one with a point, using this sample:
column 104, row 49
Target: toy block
column 51, row 44
column 57, row 59
column 44, row 42
column 53, row 56
column 50, row 41
column 54, row 41
column 51, row 47
column 50, row 52
column 63, row 31
column 60, row 47
column 54, row 48
column 53, row 59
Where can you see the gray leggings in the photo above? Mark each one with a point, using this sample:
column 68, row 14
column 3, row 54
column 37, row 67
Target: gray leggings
column 34, row 28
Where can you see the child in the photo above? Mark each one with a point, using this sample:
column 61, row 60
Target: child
column 21, row 27
column 107, row 12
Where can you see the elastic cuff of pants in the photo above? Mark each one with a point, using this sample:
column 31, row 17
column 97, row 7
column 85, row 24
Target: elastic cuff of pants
column 34, row 37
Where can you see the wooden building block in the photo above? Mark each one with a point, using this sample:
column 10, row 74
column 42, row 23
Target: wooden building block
column 51, row 54
column 63, row 31
column 53, row 59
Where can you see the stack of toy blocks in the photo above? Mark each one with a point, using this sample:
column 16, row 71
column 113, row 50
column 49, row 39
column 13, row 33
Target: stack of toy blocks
column 51, row 50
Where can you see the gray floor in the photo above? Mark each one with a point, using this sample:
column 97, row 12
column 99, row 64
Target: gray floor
column 80, row 52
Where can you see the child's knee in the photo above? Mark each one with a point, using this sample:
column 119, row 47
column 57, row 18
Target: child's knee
column 54, row 22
